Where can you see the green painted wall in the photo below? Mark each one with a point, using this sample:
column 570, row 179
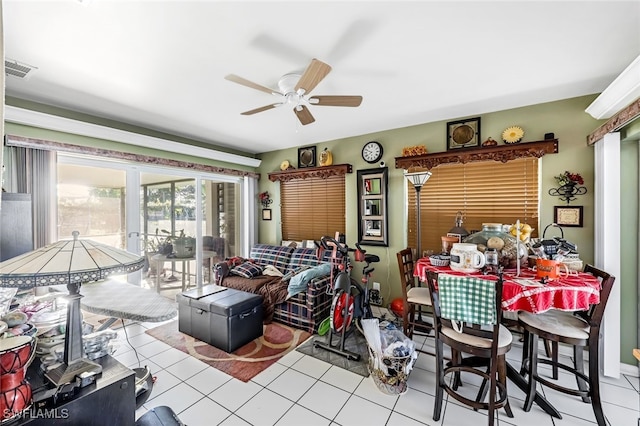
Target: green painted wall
column 565, row 118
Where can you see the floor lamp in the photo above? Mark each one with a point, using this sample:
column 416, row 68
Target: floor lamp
column 70, row 262
column 418, row 179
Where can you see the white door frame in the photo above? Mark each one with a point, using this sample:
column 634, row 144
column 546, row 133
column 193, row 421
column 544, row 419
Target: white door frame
column 607, row 243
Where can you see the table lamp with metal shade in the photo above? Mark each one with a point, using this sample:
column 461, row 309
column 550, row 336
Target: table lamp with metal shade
column 70, row 262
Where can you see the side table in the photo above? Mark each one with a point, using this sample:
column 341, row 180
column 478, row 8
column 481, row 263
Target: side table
column 160, row 259
column 109, row 401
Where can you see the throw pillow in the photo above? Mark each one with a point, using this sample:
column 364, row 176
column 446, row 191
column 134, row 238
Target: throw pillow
column 298, row 283
column 247, row 270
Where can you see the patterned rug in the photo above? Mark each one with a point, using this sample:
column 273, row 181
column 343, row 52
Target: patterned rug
column 247, row 361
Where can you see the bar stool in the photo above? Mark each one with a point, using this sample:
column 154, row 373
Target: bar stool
column 415, row 298
column 467, row 313
column 578, row 329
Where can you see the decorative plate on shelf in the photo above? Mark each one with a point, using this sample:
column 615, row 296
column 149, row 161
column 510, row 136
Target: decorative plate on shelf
column 512, row 134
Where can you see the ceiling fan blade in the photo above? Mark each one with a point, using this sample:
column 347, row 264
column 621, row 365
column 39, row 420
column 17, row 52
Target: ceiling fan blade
column 257, row 110
column 343, row 101
column 315, row 72
column 304, row 115
column 245, row 82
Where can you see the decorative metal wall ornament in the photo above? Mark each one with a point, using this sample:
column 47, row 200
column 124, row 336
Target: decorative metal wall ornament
column 568, row 192
column 568, row 188
column 265, row 199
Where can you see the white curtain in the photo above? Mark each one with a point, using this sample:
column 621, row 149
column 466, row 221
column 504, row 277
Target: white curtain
column 33, row 171
column 2, row 77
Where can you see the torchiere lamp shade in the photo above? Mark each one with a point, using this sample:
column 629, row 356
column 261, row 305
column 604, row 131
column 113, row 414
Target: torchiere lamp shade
column 67, row 262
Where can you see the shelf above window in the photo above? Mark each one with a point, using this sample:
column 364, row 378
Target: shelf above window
column 310, row 172
column 502, row 153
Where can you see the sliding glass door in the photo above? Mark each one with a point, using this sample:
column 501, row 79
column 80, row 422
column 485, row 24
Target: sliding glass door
column 139, row 208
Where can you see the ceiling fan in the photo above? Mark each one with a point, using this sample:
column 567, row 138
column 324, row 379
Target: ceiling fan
column 295, row 89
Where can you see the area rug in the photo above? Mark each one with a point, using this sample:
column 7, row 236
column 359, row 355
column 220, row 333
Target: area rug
column 355, row 342
column 244, row 363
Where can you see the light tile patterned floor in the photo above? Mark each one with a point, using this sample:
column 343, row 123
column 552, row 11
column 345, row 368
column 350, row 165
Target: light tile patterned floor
column 299, row 389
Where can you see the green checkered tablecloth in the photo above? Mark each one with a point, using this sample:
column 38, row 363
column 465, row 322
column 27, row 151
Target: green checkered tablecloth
column 467, row 299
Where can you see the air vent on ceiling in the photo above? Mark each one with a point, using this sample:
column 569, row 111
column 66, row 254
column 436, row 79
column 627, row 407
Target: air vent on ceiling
column 18, row 69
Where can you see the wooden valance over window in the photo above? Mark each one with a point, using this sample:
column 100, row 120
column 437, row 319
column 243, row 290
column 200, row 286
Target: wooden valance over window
column 48, row 145
column 484, row 191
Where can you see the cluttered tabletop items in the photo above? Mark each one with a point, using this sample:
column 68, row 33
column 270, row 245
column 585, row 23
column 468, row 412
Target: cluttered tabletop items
column 540, row 274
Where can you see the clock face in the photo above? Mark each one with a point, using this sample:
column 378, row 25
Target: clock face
column 372, row 152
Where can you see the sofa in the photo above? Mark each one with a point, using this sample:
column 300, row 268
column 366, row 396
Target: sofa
column 295, row 283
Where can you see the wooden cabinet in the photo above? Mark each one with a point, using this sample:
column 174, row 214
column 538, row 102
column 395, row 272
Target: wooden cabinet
column 372, row 207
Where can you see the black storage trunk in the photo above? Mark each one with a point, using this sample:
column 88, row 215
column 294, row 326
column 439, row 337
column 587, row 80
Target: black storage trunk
column 223, row 317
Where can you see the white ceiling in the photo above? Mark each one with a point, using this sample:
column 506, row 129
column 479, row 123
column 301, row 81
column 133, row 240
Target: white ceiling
column 161, row 64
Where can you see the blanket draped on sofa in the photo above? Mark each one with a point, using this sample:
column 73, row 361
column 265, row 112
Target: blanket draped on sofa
column 304, row 310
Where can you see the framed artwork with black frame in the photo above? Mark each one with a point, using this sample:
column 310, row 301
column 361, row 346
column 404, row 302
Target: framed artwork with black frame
column 307, row 157
column 568, row 215
column 373, row 229
column 463, row 133
column 266, row 214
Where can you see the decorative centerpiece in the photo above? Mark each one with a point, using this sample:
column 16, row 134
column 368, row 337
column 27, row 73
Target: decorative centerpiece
column 512, row 135
column 505, row 244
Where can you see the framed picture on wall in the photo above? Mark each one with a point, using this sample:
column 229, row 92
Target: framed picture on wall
column 463, row 133
column 568, row 215
column 307, row 157
column 266, row 214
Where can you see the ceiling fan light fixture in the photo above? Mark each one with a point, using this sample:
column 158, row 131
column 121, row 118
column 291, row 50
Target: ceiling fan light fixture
column 295, row 91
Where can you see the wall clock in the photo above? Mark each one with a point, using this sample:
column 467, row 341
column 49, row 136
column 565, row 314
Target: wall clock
column 372, row 152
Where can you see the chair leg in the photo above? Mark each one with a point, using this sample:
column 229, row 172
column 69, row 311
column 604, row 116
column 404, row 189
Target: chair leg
column 502, row 378
column 578, row 364
column 594, row 380
column 405, row 323
column 437, row 407
column 554, row 358
column 456, row 359
column 526, row 340
column 493, row 372
column 533, row 368
column 482, row 392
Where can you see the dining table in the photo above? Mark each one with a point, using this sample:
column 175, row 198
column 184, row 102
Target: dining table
column 523, row 291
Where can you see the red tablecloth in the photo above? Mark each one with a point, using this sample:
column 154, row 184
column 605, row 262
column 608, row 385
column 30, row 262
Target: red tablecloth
column 575, row 292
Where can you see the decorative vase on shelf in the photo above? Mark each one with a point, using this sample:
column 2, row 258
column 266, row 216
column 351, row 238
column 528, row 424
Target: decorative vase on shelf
column 326, row 158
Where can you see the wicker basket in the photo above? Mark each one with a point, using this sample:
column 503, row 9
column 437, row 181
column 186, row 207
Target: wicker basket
column 395, row 381
column 439, row 260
